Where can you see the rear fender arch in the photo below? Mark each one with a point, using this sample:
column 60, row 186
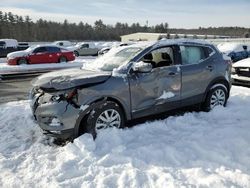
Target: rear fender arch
column 219, row 81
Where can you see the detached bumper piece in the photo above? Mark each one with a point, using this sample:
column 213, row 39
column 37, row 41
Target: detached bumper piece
column 64, row 134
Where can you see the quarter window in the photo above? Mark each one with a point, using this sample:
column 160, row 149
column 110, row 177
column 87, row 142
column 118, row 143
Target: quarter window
column 192, row 54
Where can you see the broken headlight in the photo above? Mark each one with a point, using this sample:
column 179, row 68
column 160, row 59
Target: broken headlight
column 69, row 95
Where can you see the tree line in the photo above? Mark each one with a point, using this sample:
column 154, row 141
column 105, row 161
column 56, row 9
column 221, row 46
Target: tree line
column 24, row 29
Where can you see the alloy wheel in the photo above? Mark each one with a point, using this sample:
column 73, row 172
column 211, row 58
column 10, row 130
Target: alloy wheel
column 217, row 98
column 108, row 118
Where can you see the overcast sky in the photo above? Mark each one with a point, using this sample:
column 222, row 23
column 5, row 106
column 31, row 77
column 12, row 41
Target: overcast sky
column 178, row 13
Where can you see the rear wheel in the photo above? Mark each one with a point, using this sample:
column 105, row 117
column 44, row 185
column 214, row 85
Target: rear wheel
column 107, row 115
column 62, row 59
column 216, row 97
column 22, row 61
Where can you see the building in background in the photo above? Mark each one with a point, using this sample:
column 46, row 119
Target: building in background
column 159, row 36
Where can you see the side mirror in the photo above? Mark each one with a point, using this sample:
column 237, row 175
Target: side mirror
column 142, row 67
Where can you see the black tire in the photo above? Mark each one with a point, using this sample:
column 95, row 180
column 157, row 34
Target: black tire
column 62, row 59
column 92, row 119
column 22, row 61
column 212, row 96
column 76, row 53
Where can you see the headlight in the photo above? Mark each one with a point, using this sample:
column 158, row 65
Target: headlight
column 68, row 95
column 233, row 70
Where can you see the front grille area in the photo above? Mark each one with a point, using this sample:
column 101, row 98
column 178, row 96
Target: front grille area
column 243, row 72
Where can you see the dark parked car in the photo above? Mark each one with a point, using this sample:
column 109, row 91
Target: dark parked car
column 11, row 45
column 130, row 82
column 40, row 54
column 235, row 51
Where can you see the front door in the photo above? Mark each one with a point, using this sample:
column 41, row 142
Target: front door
column 39, row 55
column 159, row 90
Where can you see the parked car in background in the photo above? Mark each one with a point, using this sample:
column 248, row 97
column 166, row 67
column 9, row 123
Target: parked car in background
column 84, row 49
column 10, row 45
column 62, row 43
column 40, row 54
column 235, row 51
column 106, row 49
column 130, row 82
column 241, row 72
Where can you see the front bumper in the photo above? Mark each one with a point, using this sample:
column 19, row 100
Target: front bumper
column 45, row 114
column 240, row 80
column 12, row 61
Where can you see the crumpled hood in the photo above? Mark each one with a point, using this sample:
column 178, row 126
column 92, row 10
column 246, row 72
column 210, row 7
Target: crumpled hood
column 242, row 63
column 17, row 54
column 70, row 78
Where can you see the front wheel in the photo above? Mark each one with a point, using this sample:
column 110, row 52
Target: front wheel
column 22, row 61
column 216, row 97
column 107, row 115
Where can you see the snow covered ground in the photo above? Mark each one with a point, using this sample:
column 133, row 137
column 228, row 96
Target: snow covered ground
column 196, row 149
column 78, row 62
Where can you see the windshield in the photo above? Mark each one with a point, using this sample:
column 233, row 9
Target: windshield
column 31, row 48
column 113, row 59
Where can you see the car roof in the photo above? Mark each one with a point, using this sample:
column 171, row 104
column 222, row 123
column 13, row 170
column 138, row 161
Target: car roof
column 165, row 42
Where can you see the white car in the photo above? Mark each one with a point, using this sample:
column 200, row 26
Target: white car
column 63, row 43
column 241, row 72
column 84, row 49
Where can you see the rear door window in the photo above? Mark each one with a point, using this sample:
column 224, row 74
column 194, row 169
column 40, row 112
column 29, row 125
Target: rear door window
column 53, row 49
column 192, row 54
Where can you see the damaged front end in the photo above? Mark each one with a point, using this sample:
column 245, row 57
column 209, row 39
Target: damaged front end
column 55, row 111
column 54, row 99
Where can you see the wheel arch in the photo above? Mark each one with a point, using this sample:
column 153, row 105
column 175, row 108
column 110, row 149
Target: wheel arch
column 64, row 56
column 26, row 58
column 97, row 102
column 219, row 80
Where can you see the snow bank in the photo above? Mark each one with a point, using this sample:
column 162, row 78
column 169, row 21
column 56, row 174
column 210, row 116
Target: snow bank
column 192, row 150
column 5, row 68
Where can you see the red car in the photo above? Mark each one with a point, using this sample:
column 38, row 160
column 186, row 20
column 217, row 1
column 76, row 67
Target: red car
column 40, row 54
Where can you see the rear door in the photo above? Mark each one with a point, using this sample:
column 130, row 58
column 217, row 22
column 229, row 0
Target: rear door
column 158, row 90
column 197, row 71
column 54, row 54
column 39, row 55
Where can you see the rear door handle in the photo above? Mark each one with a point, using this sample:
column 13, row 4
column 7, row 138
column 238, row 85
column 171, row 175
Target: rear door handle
column 209, row 67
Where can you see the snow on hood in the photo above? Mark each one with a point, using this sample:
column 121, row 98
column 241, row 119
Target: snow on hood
column 70, row 78
column 242, row 63
column 13, row 55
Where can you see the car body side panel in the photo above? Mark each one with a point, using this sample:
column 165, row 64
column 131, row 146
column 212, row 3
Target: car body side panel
column 160, row 88
column 116, row 87
column 37, row 58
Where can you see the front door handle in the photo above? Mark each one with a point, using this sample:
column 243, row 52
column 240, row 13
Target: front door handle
column 172, row 74
column 209, row 67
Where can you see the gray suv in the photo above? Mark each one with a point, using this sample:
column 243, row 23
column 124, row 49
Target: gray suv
column 128, row 83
